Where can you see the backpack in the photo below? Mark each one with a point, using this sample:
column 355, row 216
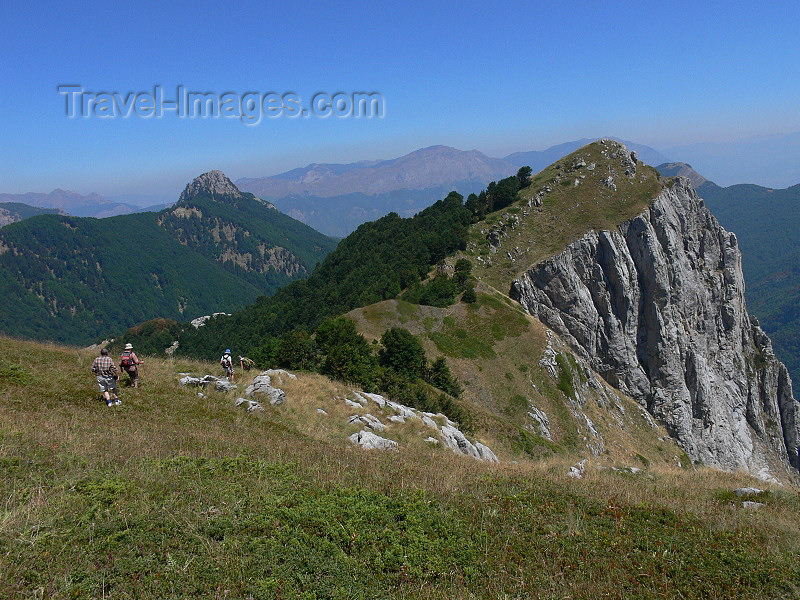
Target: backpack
column 126, row 362
column 226, row 361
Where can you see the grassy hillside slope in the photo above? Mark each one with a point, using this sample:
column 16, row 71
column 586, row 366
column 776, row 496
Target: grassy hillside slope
column 562, row 203
column 176, row 496
column 495, row 351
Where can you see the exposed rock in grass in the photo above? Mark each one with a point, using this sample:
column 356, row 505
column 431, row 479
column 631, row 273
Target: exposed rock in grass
column 577, row 471
column 370, row 441
column 262, row 385
column 368, row 420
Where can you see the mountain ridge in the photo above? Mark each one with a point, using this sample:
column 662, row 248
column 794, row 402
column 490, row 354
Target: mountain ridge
column 569, row 226
column 74, row 279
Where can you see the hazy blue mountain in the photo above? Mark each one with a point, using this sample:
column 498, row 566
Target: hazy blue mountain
column 71, row 203
column 337, row 198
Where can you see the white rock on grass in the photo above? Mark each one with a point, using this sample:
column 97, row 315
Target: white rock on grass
column 249, row 405
column 577, row 471
column 368, row 420
column 261, row 385
column 457, row 441
column 370, row 441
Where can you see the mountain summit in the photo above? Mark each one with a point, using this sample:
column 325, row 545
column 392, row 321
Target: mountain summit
column 214, row 184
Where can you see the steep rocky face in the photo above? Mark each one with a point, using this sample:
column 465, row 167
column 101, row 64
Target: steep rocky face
column 657, row 308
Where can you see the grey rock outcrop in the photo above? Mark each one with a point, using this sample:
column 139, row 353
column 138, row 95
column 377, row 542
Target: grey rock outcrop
column 220, row 383
column 370, row 441
column 457, row 441
column 452, row 437
column 262, row 385
column 657, row 308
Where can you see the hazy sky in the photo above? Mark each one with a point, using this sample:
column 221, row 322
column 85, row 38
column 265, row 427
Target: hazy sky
column 495, row 77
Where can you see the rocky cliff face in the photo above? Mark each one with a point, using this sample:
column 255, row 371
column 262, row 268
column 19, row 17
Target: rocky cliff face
column 657, row 308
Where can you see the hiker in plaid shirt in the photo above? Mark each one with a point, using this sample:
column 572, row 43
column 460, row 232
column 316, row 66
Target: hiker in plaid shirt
column 106, row 373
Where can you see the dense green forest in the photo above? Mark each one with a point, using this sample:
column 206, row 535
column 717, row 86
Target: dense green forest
column 374, row 263
column 766, row 222
column 77, row 279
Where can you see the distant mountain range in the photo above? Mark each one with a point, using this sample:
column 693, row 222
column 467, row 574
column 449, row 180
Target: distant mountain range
column 74, row 204
column 337, row 198
column 75, row 279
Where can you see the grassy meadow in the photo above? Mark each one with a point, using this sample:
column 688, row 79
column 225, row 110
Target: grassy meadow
column 175, row 496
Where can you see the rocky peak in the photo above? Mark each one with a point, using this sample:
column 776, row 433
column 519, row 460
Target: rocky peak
column 656, row 305
column 214, row 184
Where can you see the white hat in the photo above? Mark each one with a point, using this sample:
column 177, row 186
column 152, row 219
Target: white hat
column 128, row 346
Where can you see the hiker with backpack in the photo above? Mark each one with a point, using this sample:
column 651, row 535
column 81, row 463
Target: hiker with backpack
column 246, row 363
column 227, row 363
column 103, row 367
column 129, row 362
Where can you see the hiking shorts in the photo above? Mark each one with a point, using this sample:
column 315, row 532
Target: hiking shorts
column 133, row 373
column 107, row 384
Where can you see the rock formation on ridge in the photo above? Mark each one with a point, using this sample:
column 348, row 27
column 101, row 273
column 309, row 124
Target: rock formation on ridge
column 657, row 308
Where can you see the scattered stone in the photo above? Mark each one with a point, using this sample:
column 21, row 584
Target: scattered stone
column 322, row 411
column 577, row 471
column 261, row 385
column 223, row 385
column 429, row 422
column 431, row 440
column 747, row 491
column 201, row 395
column 457, row 441
column 542, row 422
column 370, row 441
column 352, row 403
column 753, row 505
column 249, row 405
column 368, row 420
column 279, row 374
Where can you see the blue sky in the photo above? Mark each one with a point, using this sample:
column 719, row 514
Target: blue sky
column 521, row 76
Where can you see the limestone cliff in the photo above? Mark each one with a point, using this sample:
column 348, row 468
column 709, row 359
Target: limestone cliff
column 657, row 308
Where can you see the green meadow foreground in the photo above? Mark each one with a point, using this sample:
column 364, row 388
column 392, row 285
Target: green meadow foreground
column 176, row 496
